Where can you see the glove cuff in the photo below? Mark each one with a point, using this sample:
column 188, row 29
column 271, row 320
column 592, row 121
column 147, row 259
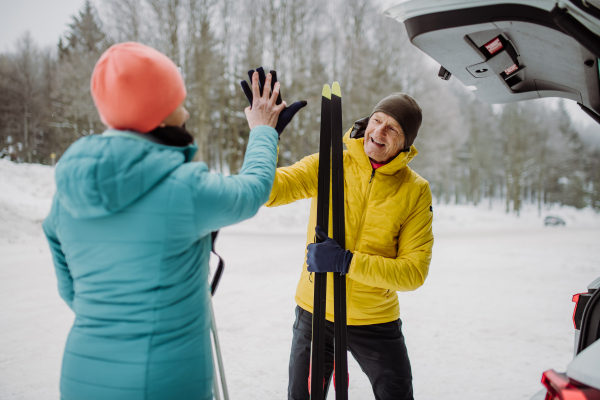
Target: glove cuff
column 347, row 259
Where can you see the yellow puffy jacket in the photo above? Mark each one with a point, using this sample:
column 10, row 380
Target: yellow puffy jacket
column 388, row 229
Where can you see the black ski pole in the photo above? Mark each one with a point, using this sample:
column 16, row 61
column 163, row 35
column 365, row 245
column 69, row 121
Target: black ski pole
column 213, row 327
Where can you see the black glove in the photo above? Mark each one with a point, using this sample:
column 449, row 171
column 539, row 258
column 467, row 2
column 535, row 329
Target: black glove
column 327, row 256
column 288, row 113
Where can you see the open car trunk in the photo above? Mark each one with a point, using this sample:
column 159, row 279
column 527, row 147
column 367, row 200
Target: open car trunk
column 512, row 51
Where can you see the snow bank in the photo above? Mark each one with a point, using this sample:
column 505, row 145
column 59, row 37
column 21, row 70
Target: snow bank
column 293, row 218
column 26, row 192
column 450, row 217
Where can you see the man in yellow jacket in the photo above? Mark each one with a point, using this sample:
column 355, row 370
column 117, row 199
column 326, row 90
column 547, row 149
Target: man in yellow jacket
column 389, row 242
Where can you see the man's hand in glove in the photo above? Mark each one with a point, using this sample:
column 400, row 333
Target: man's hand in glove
column 288, row 113
column 327, row 256
column 264, row 111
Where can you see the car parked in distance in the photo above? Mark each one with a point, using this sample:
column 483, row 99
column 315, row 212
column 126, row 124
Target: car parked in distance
column 554, row 221
column 508, row 51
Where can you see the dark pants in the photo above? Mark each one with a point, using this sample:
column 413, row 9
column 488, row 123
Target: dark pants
column 379, row 350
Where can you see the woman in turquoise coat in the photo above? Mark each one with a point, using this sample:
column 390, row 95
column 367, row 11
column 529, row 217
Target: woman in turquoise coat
column 130, row 231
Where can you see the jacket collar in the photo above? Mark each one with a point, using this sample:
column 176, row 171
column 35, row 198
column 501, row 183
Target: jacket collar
column 357, row 150
column 189, row 151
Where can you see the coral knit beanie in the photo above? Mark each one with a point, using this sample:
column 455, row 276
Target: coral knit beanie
column 136, row 87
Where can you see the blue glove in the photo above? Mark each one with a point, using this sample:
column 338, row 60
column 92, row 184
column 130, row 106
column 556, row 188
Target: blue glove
column 288, row 113
column 327, row 256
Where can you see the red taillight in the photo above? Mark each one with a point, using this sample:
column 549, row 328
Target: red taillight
column 494, row 46
column 576, row 299
column 560, row 387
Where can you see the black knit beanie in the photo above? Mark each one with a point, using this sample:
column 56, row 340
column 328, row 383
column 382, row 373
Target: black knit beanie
column 406, row 111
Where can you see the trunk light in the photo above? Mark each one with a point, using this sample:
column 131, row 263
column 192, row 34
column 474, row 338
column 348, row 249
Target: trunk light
column 494, row 46
column 510, row 70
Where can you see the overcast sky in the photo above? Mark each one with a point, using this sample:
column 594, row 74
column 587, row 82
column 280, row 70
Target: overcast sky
column 45, row 19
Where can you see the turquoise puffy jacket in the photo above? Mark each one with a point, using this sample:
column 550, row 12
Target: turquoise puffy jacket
column 129, row 232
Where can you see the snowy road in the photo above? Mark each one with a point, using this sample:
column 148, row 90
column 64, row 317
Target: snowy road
column 494, row 313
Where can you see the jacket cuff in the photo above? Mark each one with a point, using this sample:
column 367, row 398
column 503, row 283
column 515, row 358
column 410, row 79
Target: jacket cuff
column 262, row 129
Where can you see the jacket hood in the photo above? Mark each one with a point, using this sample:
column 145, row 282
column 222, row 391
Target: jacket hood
column 101, row 174
column 357, row 150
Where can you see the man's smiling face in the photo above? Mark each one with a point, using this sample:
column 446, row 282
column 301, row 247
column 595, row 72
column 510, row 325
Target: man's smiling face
column 384, row 138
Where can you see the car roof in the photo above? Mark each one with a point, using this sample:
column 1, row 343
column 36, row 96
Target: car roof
column 508, row 51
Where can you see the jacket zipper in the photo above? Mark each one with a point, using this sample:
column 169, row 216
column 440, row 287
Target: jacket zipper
column 364, row 213
column 360, row 229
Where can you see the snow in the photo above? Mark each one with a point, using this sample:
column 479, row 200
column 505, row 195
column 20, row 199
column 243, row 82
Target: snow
column 494, row 313
column 25, row 198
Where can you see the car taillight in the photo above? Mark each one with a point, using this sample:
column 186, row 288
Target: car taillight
column 580, row 300
column 494, row 46
column 560, row 387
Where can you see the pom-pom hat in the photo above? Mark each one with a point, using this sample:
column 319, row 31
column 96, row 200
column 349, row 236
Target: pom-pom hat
column 136, row 87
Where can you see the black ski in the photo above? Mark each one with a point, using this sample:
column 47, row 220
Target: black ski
column 320, row 296
column 330, row 162
column 339, row 235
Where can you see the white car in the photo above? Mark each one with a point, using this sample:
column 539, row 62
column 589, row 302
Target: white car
column 511, row 51
column 507, row 51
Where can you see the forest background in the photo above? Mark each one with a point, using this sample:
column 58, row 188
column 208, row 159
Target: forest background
column 471, row 152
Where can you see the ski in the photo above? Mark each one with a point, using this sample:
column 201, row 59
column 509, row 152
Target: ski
column 317, row 368
column 330, row 163
column 339, row 235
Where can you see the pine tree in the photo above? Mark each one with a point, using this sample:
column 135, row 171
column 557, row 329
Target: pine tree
column 74, row 111
column 85, row 34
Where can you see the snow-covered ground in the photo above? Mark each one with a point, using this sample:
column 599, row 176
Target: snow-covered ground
column 494, row 313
